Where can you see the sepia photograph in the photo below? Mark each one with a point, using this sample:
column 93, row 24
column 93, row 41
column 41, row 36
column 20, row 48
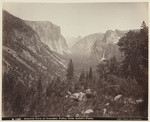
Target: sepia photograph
column 75, row 61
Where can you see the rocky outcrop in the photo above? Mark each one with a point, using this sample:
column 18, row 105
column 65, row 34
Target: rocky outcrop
column 50, row 35
column 111, row 37
column 108, row 45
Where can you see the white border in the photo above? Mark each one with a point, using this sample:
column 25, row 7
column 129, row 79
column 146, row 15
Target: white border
column 73, row 1
column 66, row 1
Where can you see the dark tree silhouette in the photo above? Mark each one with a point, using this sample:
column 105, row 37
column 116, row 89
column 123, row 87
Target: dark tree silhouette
column 113, row 66
column 134, row 46
column 82, row 76
column 70, row 70
column 90, row 73
column 87, row 76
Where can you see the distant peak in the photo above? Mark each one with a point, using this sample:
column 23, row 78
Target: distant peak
column 109, row 31
column 116, row 30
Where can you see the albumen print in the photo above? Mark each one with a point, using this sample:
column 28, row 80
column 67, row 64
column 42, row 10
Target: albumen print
column 75, row 61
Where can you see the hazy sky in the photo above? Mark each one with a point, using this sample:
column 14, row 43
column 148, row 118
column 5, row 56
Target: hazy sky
column 83, row 18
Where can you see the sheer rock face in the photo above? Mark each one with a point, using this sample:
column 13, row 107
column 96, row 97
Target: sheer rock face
column 72, row 40
column 84, row 45
column 25, row 57
column 108, row 45
column 111, row 37
column 93, row 46
column 50, row 35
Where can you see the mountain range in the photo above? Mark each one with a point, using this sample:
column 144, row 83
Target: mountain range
column 99, row 45
column 38, row 47
column 96, row 46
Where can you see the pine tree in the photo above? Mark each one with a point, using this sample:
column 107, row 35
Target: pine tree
column 90, row 73
column 144, row 45
column 103, row 70
column 70, row 70
column 134, row 46
column 87, row 76
column 143, row 25
column 82, row 80
column 82, row 76
column 113, row 66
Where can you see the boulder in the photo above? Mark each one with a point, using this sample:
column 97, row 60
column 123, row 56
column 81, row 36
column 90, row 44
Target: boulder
column 107, row 104
column 74, row 95
column 117, row 97
column 78, row 96
column 104, row 111
column 88, row 111
column 69, row 92
column 139, row 101
column 131, row 100
column 77, row 115
column 81, row 96
column 88, row 93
